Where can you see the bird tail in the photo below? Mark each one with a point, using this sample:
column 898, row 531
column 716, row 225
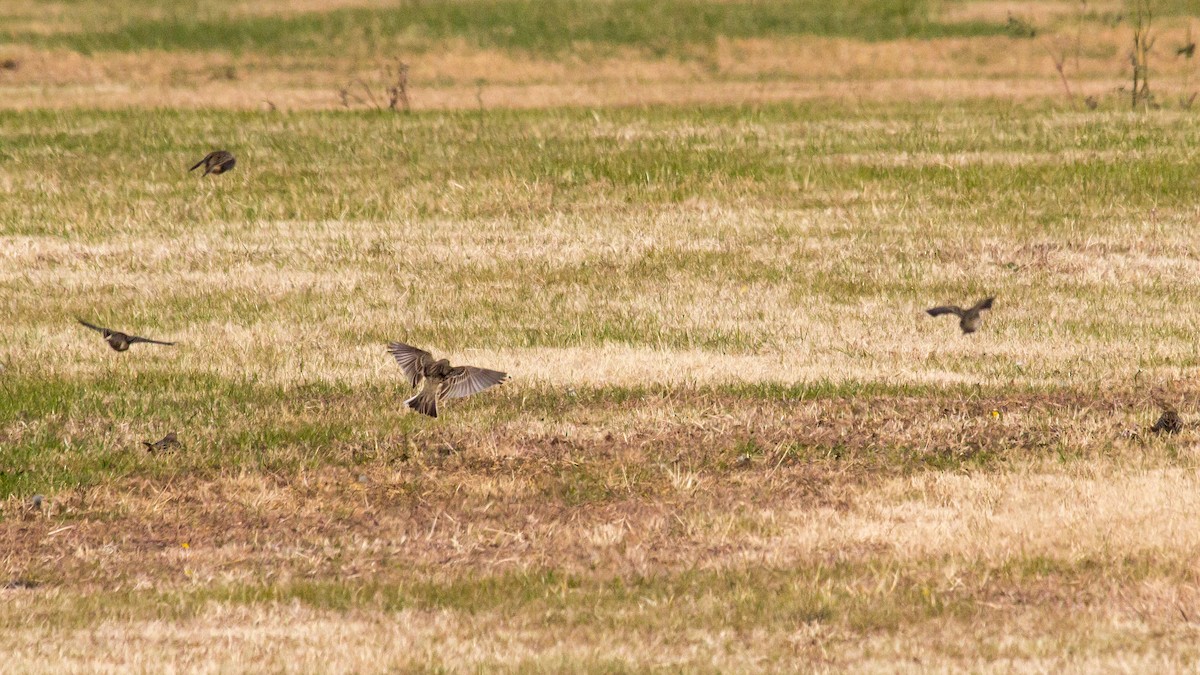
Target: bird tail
column 425, row 402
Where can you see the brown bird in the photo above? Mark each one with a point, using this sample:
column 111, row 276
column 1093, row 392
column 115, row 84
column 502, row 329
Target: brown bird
column 120, row 341
column 162, row 445
column 1018, row 27
column 968, row 319
column 441, row 379
column 217, row 161
column 1169, row 422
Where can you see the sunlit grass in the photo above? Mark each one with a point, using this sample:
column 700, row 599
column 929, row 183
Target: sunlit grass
column 787, row 250
column 545, row 26
column 733, row 440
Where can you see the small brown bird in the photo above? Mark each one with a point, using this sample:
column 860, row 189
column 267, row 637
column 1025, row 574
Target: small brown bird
column 217, row 161
column 1169, row 422
column 1018, row 27
column 162, row 445
column 121, row 341
column 968, row 319
column 441, row 379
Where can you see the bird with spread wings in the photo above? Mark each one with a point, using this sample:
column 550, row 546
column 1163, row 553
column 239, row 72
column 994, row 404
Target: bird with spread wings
column 120, row 341
column 441, row 379
column 969, row 318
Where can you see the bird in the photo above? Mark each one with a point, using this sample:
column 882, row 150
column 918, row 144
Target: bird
column 217, row 161
column 34, row 506
column 120, row 341
column 165, row 443
column 441, row 379
column 968, row 319
column 1169, row 422
column 1018, row 27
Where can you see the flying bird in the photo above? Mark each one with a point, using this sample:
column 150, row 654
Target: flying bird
column 217, row 161
column 120, row 341
column 968, row 319
column 162, row 445
column 441, row 379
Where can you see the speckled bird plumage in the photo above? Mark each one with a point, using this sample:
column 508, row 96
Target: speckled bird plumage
column 441, row 379
column 167, row 442
column 1168, row 422
column 216, row 162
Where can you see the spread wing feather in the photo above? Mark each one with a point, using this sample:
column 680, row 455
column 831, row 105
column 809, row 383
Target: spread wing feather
column 467, row 380
column 92, row 326
column 197, row 165
column 986, row 303
column 411, row 359
column 134, row 339
column 948, row 309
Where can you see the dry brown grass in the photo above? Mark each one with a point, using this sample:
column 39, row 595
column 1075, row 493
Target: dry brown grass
column 980, row 562
column 1042, row 12
column 882, row 340
column 817, row 479
column 742, row 70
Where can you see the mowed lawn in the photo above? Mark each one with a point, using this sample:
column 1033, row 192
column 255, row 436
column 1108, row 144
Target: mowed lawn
column 731, row 430
column 733, row 440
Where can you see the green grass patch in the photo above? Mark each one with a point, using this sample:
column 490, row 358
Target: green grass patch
column 549, row 27
column 849, row 593
column 393, row 169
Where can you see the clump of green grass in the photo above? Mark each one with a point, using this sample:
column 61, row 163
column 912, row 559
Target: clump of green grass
column 536, row 26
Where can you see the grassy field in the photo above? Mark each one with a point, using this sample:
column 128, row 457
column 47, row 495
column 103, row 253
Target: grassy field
column 733, row 440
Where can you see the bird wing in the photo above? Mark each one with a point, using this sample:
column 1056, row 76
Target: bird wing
column 411, row 359
column 92, row 326
column 985, row 303
column 197, row 165
column 134, row 339
column 467, row 380
column 946, row 309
